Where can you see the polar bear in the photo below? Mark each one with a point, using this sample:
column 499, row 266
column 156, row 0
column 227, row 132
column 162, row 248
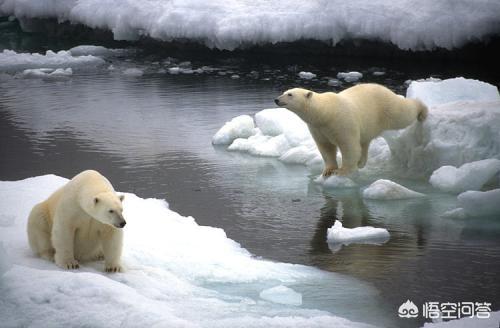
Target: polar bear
column 81, row 221
column 350, row 120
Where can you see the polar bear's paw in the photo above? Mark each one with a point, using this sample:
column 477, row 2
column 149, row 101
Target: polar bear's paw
column 342, row 172
column 329, row 171
column 113, row 268
column 69, row 264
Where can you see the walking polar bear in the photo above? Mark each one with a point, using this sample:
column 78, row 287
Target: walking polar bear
column 350, row 120
column 81, row 221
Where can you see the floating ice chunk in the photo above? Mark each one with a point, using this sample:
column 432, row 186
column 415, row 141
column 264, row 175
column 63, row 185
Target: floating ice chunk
column 307, row 75
column 479, row 203
column 174, row 70
column 11, row 61
column 85, row 50
column 335, row 181
column 134, row 72
column 47, row 73
column 276, row 121
column 337, row 234
column 378, row 73
column 282, row 295
column 261, row 145
column 436, row 92
column 453, row 134
column 239, row 127
column 470, row 176
column 387, row 190
column 350, row 76
column 334, row 82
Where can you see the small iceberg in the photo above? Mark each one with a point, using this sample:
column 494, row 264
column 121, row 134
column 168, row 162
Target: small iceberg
column 388, row 190
column 337, row 234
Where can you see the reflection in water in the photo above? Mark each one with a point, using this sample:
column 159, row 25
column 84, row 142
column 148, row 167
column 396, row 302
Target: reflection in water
column 152, row 136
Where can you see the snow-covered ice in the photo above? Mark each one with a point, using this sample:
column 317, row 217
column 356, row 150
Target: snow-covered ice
column 470, row 176
column 455, row 132
column 383, row 189
column 435, row 92
column 172, row 268
column 11, row 61
column 335, row 182
column 239, row 127
column 307, row 75
column 231, row 24
column 480, row 203
column 350, row 76
column 282, row 295
column 337, row 234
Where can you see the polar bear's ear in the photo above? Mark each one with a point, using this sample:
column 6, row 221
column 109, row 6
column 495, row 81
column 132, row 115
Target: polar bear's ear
column 122, row 197
column 309, row 94
column 96, row 200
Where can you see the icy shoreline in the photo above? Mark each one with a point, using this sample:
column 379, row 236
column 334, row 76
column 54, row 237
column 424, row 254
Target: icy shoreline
column 169, row 263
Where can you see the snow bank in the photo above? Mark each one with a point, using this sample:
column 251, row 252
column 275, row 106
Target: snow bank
column 478, row 203
column 340, row 235
column 11, row 61
column 461, row 127
column 239, row 127
column 173, row 268
column 282, row 295
column 470, row 176
column 387, row 190
column 230, row 24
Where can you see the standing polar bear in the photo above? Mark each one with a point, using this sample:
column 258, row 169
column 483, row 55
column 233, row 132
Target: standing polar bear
column 350, row 120
column 81, row 221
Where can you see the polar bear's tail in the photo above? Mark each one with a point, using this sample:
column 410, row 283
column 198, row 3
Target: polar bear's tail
column 422, row 111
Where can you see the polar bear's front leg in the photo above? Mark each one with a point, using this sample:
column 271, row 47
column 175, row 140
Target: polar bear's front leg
column 351, row 155
column 327, row 150
column 364, row 154
column 112, row 243
column 63, row 240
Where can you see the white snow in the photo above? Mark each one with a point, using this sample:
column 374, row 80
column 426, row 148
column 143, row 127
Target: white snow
column 337, row 234
column 480, row 203
column 307, row 75
column 350, row 76
column 491, row 322
column 239, row 127
column 470, row 176
column 222, row 24
column 282, row 295
column 11, row 61
column 47, row 73
column 172, row 269
column 383, row 189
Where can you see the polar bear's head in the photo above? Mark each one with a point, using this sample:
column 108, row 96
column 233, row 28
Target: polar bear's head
column 108, row 209
column 295, row 100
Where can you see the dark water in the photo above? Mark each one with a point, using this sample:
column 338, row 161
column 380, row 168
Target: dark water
column 151, row 135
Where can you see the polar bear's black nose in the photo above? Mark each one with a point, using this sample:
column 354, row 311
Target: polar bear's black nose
column 122, row 224
column 277, row 101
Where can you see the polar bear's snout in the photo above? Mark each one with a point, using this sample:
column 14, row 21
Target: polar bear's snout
column 277, row 101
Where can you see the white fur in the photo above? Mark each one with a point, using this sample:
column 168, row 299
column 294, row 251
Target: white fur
column 81, row 221
column 350, row 120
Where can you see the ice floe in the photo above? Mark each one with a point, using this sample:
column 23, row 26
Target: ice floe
column 337, row 234
column 383, row 189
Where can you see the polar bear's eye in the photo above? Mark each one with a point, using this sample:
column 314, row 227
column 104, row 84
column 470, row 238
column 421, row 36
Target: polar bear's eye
column 111, row 211
column 289, row 95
